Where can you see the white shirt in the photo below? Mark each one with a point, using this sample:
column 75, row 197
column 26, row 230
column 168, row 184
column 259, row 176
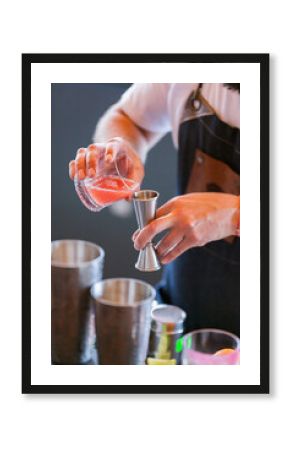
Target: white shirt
column 157, row 107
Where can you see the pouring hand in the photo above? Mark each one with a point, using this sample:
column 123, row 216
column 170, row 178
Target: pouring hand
column 193, row 220
column 116, row 150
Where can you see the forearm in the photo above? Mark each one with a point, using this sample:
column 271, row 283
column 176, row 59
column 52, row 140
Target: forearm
column 115, row 123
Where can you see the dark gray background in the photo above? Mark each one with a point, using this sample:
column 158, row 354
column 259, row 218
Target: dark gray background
column 75, row 110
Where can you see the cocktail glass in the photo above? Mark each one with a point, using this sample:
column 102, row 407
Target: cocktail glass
column 109, row 185
column 210, row 346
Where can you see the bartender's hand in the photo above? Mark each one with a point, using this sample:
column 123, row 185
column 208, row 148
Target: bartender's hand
column 193, row 220
column 87, row 159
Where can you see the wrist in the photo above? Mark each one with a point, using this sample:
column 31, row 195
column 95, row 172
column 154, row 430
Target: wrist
column 236, row 218
column 231, row 203
column 118, row 139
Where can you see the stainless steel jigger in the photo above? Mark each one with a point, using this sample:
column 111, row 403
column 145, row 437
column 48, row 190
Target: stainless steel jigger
column 145, row 209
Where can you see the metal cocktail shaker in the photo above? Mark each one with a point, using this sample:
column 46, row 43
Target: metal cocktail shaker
column 75, row 266
column 145, row 203
column 122, row 313
column 166, row 333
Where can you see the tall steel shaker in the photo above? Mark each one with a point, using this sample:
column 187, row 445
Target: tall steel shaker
column 75, row 267
column 122, row 313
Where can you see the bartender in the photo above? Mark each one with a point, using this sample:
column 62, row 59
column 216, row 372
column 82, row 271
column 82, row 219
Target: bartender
column 201, row 248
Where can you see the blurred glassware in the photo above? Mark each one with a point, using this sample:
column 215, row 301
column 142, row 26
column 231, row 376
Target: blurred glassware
column 122, row 313
column 75, row 267
column 210, row 346
column 110, row 183
column 166, row 334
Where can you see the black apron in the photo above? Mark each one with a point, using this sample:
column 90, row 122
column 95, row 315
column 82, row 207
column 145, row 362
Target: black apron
column 205, row 281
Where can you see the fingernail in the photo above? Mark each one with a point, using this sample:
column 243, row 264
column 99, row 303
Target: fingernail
column 91, row 173
column 108, row 153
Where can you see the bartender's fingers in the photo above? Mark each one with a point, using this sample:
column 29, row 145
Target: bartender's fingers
column 72, row 169
column 166, row 208
column 169, row 242
column 135, row 234
column 180, row 248
column 80, row 162
column 93, row 155
column 155, row 227
column 112, row 149
column 91, row 162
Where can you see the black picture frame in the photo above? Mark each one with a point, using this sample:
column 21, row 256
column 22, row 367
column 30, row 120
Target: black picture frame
column 263, row 61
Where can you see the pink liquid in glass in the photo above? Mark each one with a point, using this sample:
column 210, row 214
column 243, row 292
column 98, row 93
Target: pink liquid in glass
column 102, row 191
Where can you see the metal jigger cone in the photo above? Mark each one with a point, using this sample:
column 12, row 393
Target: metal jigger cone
column 145, row 209
column 147, row 259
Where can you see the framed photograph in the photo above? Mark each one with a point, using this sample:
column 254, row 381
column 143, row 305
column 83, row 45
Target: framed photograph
column 145, row 223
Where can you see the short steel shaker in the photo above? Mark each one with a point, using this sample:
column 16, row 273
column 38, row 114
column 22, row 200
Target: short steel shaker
column 167, row 323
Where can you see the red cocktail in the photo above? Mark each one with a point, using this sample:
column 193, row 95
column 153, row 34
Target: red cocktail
column 107, row 190
column 97, row 193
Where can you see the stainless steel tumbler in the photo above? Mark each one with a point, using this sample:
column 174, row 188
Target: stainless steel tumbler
column 122, row 313
column 75, row 267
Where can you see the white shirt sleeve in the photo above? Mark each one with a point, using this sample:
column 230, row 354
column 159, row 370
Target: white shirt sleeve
column 147, row 105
